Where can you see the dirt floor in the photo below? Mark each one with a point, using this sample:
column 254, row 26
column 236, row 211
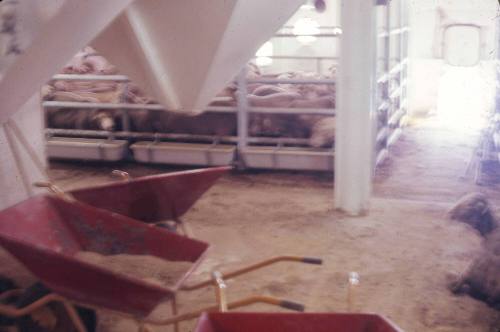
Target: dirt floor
column 405, row 250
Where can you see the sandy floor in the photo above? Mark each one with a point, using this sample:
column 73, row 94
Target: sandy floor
column 404, row 250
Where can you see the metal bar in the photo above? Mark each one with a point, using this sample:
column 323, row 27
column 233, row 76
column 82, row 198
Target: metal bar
column 175, row 312
column 125, row 106
column 285, row 110
column 10, row 311
column 395, row 118
column 395, row 93
column 11, row 292
column 382, row 135
column 403, row 103
column 320, row 35
column 242, row 116
column 253, row 267
column 381, row 156
column 394, row 136
column 221, row 109
column 157, row 107
column 220, row 290
column 74, row 316
column 232, row 305
column 90, row 77
column 291, row 81
column 325, row 27
column 125, row 115
column 187, row 137
column 301, row 57
column 384, row 78
column 384, row 106
column 55, row 190
column 396, row 69
column 399, row 31
column 275, row 110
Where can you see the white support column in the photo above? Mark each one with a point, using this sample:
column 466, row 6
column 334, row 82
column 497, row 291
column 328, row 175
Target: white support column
column 353, row 142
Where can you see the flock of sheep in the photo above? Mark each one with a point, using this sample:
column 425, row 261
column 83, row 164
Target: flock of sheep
column 318, row 129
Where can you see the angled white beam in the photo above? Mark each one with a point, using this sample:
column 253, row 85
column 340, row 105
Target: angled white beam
column 74, row 25
column 184, row 52
column 354, row 138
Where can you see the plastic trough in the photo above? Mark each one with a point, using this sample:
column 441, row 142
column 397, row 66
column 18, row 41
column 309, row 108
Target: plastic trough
column 86, row 148
column 153, row 198
column 44, row 232
column 285, row 322
column 183, row 153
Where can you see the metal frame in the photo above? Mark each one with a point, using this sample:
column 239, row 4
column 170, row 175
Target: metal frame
column 217, row 280
column 392, row 92
column 391, row 95
column 243, row 140
column 488, row 147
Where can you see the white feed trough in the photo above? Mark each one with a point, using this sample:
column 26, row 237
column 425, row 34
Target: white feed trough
column 86, row 148
column 183, row 153
column 288, row 158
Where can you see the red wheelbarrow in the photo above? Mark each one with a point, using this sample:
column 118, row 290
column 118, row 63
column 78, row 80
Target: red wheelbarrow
column 303, row 322
column 45, row 232
column 151, row 199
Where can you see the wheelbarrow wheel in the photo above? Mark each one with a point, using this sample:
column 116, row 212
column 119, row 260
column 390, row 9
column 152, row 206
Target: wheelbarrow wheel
column 52, row 317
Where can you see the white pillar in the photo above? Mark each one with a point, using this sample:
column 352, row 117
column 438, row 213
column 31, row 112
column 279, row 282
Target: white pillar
column 354, row 142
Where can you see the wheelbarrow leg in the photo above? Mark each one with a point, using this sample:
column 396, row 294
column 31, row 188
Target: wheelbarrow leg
column 75, row 318
column 220, row 290
column 186, row 230
column 174, row 313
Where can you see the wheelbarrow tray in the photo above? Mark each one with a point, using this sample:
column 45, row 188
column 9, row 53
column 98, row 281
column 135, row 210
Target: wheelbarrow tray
column 45, row 232
column 153, row 198
column 293, row 322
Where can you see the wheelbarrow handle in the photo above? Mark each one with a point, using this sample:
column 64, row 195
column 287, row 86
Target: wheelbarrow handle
column 312, row 260
column 220, row 291
column 9, row 311
column 55, row 190
column 232, row 305
column 255, row 266
column 292, row 305
column 121, row 174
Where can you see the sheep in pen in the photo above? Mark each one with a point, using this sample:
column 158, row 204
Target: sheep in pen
column 319, row 130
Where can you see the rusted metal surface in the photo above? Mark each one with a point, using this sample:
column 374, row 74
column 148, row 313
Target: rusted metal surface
column 44, row 232
column 153, row 198
column 285, row 322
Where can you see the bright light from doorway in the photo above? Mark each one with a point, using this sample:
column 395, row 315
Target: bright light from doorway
column 465, row 96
